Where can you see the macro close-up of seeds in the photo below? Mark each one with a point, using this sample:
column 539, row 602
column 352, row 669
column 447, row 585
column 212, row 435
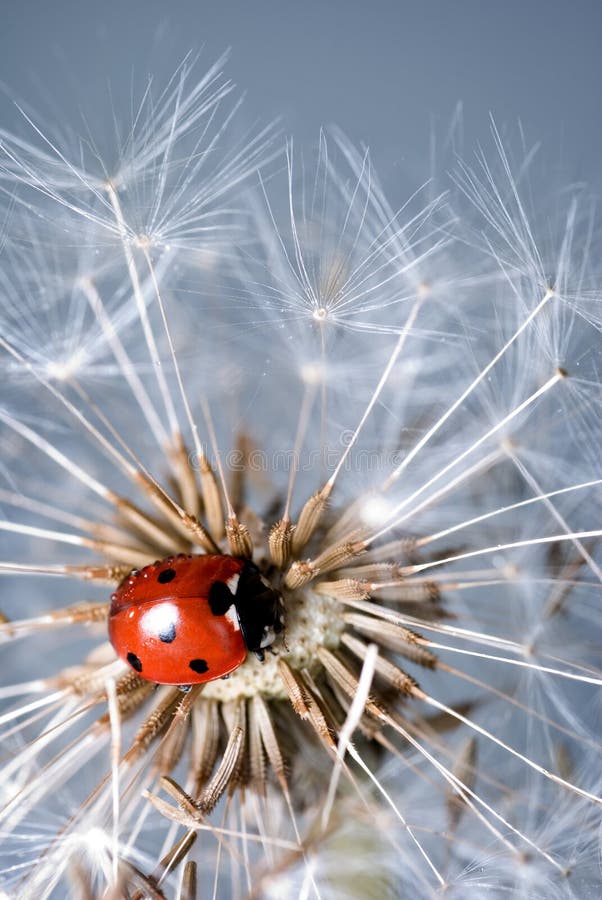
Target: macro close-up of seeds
column 300, row 494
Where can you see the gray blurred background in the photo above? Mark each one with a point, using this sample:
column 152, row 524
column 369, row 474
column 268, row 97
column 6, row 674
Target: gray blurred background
column 389, row 73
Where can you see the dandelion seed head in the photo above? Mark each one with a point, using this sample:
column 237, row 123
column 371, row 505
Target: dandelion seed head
column 312, row 622
column 95, row 842
column 393, row 415
column 375, row 510
column 312, row 373
column 62, row 370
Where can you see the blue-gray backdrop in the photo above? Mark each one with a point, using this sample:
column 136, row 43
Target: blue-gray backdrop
column 389, row 73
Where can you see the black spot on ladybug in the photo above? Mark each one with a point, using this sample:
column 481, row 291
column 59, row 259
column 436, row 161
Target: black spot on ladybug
column 134, row 662
column 220, row 598
column 168, row 634
column 198, row 665
column 166, row 576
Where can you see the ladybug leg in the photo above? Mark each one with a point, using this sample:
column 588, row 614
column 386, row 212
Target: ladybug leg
column 280, row 628
column 260, row 654
column 185, row 688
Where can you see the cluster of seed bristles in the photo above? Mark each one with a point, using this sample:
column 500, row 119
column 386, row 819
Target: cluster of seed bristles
column 235, row 734
column 440, row 386
column 237, row 741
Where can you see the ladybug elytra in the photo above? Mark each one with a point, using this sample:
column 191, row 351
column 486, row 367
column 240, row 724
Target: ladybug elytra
column 191, row 619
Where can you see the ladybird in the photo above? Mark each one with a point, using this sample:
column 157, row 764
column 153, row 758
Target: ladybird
column 190, row 619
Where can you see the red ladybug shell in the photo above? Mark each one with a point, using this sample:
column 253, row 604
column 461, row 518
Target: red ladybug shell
column 174, row 621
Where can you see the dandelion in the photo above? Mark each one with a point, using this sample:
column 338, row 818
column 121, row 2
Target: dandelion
column 386, row 421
